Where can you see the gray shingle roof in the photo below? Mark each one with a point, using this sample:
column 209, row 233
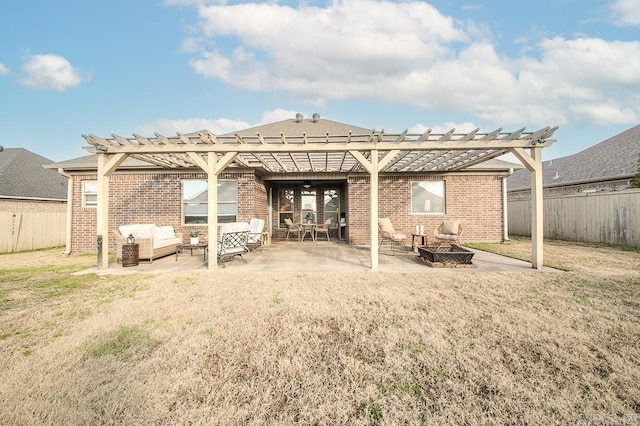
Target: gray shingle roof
column 319, row 127
column 616, row 157
column 22, row 176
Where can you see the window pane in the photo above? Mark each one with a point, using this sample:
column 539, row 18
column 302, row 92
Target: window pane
column 285, row 200
column 90, row 186
column 427, row 197
column 309, row 205
column 227, row 190
column 194, row 190
column 331, row 206
column 91, row 200
column 195, row 197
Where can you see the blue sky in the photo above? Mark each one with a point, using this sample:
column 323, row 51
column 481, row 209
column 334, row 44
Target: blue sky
column 73, row 67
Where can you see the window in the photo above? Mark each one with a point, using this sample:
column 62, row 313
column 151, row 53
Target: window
column 90, row 193
column 285, row 206
column 427, row 197
column 309, row 205
column 195, row 198
column 331, row 206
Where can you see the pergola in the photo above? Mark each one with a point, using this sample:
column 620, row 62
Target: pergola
column 374, row 153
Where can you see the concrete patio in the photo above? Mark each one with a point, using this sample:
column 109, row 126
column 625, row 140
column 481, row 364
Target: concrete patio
column 321, row 256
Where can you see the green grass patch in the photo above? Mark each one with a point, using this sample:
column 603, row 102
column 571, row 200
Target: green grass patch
column 124, row 343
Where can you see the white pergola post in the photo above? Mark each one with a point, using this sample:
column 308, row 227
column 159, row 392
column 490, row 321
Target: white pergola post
column 537, row 210
column 106, row 167
column 533, row 163
column 102, row 213
column 373, row 195
column 212, row 168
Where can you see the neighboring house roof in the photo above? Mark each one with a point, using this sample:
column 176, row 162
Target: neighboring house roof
column 311, row 127
column 22, row 175
column 614, row 158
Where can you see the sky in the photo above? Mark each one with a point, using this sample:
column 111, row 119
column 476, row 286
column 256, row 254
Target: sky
column 103, row 67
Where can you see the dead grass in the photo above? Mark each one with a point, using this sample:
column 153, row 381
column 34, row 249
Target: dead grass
column 360, row 348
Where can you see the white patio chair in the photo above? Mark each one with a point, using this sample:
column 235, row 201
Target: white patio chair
column 255, row 232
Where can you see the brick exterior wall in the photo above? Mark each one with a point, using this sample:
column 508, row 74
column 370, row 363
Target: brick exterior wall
column 153, row 198
column 474, row 200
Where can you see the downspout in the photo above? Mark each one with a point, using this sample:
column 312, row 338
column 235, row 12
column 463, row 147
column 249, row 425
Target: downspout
column 505, row 214
column 67, row 250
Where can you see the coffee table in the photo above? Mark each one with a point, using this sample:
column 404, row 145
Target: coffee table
column 191, row 247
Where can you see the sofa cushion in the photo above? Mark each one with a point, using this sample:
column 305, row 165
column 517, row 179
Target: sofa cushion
column 163, row 232
column 166, row 242
column 138, row 230
column 450, row 227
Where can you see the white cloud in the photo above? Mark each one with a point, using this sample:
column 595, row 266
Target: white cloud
column 460, row 128
column 625, row 12
column 408, row 53
column 51, row 72
column 3, row 69
column 220, row 126
column 167, row 127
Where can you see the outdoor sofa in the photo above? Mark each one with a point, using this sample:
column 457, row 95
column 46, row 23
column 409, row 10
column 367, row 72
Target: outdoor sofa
column 154, row 241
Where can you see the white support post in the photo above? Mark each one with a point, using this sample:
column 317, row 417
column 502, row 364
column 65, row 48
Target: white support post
column 212, row 210
column 373, row 196
column 537, row 224
column 102, row 212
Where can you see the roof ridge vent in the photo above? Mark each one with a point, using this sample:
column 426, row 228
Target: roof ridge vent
column 315, row 117
column 299, row 117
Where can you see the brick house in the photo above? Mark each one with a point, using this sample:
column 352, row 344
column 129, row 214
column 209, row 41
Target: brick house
column 607, row 166
column 293, row 167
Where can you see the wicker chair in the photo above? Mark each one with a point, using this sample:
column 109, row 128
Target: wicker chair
column 324, row 228
column 292, row 228
column 389, row 233
column 448, row 232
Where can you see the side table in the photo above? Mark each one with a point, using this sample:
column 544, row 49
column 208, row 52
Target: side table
column 265, row 238
column 130, row 254
column 425, row 240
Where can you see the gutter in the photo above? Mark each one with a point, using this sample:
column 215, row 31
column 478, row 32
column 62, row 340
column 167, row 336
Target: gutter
column 505, row 214
column 67, row 250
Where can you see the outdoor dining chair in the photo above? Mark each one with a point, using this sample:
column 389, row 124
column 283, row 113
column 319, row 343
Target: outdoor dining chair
column 292, row 228
column 324, row 228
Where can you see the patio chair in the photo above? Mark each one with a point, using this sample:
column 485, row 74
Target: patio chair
column 292, row 228
column 255, row 232
column 324, row 228
column 388, row 233
column 448, row 232
column 232, row 244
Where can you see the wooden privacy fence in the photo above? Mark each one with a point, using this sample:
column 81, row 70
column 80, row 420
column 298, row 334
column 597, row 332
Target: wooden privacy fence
column 31, row 231
column 604, row 217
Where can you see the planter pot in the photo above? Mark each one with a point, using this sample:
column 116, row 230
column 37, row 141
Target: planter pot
column 194, row 241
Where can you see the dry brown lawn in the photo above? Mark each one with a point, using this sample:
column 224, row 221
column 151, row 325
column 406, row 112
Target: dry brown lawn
column 456, row 348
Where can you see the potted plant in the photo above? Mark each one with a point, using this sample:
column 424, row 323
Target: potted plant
column 309, row 217
column 194, row 240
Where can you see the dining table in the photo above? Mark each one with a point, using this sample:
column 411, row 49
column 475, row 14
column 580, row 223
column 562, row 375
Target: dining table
column 309, row 228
